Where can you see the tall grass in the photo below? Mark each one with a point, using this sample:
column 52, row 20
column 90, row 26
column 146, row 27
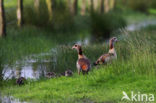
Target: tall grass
column 28, row 40
column 102, row 25
column 137, row 48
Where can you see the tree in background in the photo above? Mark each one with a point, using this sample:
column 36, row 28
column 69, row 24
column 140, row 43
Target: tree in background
column 90, row 5
column 112, row 4
column 37, row 5
column 2, row 19
column 75, row 7
column 49, row 5
column 95, row 2
column 69, row 5
column 83, row 7
column 102, row 6
column 20, row 13
column 94, row 5
column 106, row 6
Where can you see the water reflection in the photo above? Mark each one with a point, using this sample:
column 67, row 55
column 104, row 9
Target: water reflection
column 134, row 27
column 9, row 99
column 29, row 70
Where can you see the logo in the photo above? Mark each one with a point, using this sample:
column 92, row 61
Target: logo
column 138, row 97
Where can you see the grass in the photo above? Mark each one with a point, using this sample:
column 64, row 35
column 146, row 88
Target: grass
column 152, row 11
column 21, row 42
column 150, row 28
column 133, row 71
column 98, row 86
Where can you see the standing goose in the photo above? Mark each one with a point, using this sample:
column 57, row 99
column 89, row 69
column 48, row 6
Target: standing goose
column 105, row 58
column 83, row 63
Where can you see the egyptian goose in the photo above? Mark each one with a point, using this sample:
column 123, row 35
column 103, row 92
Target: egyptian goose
column 105, row 58
column 83, row 63
column 68, row 73
column 50, row 75
column 20, row 81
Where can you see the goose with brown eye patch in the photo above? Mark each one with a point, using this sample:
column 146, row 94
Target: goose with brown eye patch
column 111, row 55
column 83, row 63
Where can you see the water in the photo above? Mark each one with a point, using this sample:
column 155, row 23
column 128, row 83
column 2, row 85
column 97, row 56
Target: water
column 138, row 26
column 26, row 71
column 28, row 68
column 10, row 99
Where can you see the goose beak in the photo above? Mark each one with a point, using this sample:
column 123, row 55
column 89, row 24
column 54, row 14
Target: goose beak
column 73, row 47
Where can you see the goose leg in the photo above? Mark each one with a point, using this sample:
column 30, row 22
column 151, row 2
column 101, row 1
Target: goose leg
column 78, row 71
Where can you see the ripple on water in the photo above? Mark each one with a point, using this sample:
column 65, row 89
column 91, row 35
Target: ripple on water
column 10, row 99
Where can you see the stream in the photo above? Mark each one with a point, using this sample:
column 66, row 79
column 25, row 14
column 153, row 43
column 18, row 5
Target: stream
column 138, row 26
column 34, row 68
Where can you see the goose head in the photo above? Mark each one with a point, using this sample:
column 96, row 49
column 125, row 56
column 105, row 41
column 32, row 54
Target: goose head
column 79, row 50
column 112, row 41
column 76, row 46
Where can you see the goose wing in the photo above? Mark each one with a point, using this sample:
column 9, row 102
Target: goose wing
column 84, row 64
column 103, row 59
